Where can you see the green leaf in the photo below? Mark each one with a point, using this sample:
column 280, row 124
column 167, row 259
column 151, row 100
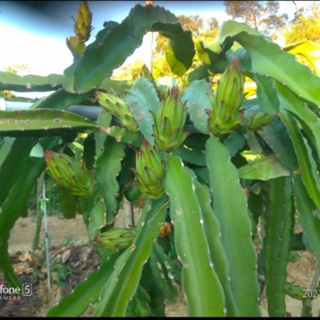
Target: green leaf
column 42, row 122
column 201, row 285
column 62, row 99
column 124, row 280
column 234, row 143
column 96, row 219
column 235, row 227
column 310, row 175
column 270, row 60
column 11, row 211
column 14, row 152
column 161, row 272
column 180, row 51
column 307, row 118
column 278, row 235
column 264, row 169
column 89, row 154
column 68, row 202
column 228, row 28
column 198, row 73
column 192, row 156
column 278, row 139
column 111, row 49
column 142, row 98
column 108, row 168
column 12, row 81
column 309, row 221
column 37, row 151
column 197, row 102
column 124, row 135
column 14, row 204
column 267, row 95
column 217, row 253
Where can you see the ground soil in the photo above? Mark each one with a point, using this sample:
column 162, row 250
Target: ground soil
column 69, row 246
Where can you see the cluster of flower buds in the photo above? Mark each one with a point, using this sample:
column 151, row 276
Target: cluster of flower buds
column 149, row 171
column 169, row 122
column 70, row 174
column 255, row 119
column 224, row 114
column 118, row 107
column 115, row 239
column 82, row 29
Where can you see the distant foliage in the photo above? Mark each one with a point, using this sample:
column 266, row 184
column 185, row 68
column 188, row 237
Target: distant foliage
column 130, row 71
column 261, row 15
column 305, row 27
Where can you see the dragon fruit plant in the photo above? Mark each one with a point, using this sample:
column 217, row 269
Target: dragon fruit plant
column 213, row 160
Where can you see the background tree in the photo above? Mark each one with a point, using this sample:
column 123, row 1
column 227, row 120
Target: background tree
column 213, row 23
column 261, row 15
column 211, row 31
column 17, row 68
column 305, row 25
column 194, row 23
column 130, row 71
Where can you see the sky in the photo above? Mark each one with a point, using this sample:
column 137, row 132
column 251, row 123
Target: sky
column 34, row 32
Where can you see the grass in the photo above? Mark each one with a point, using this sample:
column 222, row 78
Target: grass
column 69, row 241
column 60, row 272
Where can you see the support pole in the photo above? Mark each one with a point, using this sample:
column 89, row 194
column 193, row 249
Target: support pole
column 46, row 234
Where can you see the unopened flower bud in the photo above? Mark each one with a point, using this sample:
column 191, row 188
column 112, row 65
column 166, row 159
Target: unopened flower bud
column 149, row 171
column 225, row 115
column 119, row 108
column 169, row 122
column 115, row 239
column 69, row 174
column 82, row 23
column 255, row 119
column 82, row 29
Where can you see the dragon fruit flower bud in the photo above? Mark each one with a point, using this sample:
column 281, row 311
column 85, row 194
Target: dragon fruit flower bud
column 118, row 107
column 169, row 122
column 82, row 23
column 70, row 174
column 255, row 119
column 226, row 102
column 149, row 171
column 115, row 239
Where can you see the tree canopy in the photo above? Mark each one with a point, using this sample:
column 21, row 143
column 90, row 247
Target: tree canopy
column 306, row 25
column 261, row 15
